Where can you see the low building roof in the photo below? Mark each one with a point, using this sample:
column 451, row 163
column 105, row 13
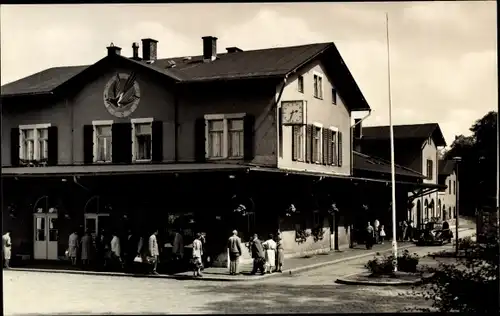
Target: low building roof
column 406, row 132
column 446, row 167
column 373, row 164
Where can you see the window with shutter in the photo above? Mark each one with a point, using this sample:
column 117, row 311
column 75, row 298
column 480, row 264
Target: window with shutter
column 33, row 142
column 229, row 136
column 339, row 140
column 88, row 144
column 333, row 146
column 316, row 141
column 121, row 151
column 157, row 141
column 298, row 142
column 102, row 145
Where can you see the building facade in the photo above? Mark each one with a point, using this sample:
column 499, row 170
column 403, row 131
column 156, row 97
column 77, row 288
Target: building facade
column 448, row 197
column 172, row 142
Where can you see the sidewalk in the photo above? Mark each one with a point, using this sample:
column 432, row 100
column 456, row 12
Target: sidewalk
column 292, row 265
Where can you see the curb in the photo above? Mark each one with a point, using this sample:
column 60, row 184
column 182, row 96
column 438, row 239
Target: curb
column 345, row 281
column 206, row 277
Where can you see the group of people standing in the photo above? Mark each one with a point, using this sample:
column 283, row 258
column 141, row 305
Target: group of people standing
column 374, row 234
column 105, row 250
column 268, row 256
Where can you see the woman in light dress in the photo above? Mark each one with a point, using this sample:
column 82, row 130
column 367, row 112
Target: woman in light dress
column 270, row 249
column 7, row 245
column 197, row 255
column 73, row 244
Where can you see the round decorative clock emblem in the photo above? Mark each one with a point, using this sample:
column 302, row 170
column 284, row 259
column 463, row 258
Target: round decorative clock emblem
column 122, row 94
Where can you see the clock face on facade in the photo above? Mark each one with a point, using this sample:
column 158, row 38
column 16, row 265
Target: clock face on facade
column 292, row 112
column 122, row 94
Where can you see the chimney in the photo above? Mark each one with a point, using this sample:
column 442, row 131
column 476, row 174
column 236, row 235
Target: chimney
column 114, row 50
column 233, row 50
column 357, row 135
column 149, row 46
column 209, row 48
column 135, row 51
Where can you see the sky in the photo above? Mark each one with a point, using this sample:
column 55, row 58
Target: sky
column 443, row 54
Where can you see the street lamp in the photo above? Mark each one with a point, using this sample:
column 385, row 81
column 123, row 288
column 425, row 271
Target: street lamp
column 457, row 201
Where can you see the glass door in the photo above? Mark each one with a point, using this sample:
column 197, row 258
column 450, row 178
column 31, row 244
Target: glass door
column 52, row 236
column 40, row 236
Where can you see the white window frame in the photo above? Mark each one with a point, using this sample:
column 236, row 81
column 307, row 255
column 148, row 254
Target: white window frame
column 140, row 121
column 303, row 149
column 336, row 149
column 319, row 150
column 94, row 149
column 225, row 134
column 36, row 144
column 321, row 86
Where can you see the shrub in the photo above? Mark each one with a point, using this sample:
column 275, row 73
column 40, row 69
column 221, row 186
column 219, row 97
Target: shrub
column 469, row 285
column 383, row 266
column 318, row 233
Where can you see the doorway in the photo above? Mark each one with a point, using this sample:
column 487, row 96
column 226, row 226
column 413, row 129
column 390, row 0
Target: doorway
column 94, row 223
column 46, row 236
column 419, row 214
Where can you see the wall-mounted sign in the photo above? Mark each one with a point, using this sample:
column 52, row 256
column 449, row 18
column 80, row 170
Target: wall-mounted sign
column 122, row 94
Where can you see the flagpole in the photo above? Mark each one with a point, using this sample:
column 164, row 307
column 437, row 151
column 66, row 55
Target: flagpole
column 393, row 176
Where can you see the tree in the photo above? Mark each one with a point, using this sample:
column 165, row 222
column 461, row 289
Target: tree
column 477, row 170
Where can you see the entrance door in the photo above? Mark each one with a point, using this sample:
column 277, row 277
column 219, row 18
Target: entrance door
column 46, row 236
column 95, row 222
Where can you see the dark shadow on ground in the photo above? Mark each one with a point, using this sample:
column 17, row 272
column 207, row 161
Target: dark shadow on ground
column 321, row 298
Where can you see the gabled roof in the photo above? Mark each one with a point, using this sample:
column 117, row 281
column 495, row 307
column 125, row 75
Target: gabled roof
column 262, row 63
column 367, row 163
column 446, row 167
column 406, row 132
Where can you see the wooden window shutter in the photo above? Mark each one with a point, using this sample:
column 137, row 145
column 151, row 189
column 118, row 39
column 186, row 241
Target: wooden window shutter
column 249, row 137
column 334, row 148
column 88, row 144
column 339, row 140
column 157, row 141
column 325, row 145
column 295, row 129
column 121, row 143
column 14, row 147
column 280, row 132
column 52, row 144
column 309, row 143
column 200, row 140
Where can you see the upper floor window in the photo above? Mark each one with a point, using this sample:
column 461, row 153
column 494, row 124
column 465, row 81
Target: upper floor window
column 102, row 141
column 449, row 186
column 142, row 135
column 224, row 136
column 33, row 142
column 318, row 86
column 317, row 144
column 332, row 157
column 298, row 142
column 430, row 169
column 454, row 187
column 334, row 96
column 300, row 84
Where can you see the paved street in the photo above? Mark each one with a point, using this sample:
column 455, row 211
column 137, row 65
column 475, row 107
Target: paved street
column 312, row 291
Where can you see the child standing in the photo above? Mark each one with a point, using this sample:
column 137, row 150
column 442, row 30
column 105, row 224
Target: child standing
column 382, row 234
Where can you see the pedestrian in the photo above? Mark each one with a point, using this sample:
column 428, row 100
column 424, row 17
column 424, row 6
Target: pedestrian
column 376, row 228
column 382, row 234
column 73, row 247
column 115, row 253
column 234, row 248
column 280, row 252
column 86, row 249
column 405, row 230
column 178, row 246
column 130, row 250
column 7, row 248
column 197, row 254
column 154, row 252
column 270, row 249
column 412, row 231
column 369, row 236
column 258, row 254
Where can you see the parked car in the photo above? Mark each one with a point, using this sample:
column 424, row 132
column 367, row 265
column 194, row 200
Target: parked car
column 435, row 234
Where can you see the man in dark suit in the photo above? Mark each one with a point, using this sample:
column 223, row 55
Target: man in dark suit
column 257, row 254
column 234, row 247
